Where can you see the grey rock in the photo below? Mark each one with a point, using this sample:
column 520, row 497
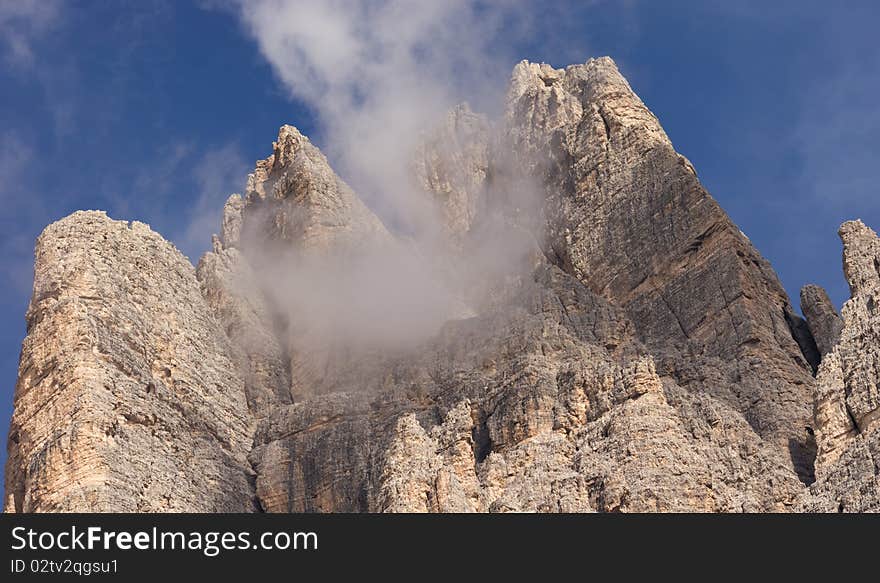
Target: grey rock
column 452, row 164
column 230, row 229
column 847, row 402
column 293, row 196
column 803, row 336
column 515, row 411
column 626, row 215
column 299, row 216
column 859, row 347
column 824, row 321
column 245, row 315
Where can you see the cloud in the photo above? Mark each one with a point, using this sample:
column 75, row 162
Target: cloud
column 836, row 71
column 19, row 205
column 378, row 73
column 218, row 172
column 14, row 156
column 180, row 192
column 23, row 23
column 144, row 190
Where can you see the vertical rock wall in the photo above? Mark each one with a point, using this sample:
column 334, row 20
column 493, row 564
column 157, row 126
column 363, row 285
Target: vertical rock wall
column 128, row 399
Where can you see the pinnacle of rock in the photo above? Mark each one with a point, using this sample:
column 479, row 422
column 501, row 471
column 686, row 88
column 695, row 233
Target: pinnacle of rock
column 860, row 263
column 824, row 321
column 847, row 413
column 230, row 229
column 126, row 382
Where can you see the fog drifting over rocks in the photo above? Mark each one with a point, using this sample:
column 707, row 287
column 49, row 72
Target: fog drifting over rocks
column 385, row 81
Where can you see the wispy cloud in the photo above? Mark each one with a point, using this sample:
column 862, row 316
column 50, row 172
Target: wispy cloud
column 14, row 156
column 180, row 192
column 23, row 23
column 376, row 73
column 836, row 124
column 19, row 204
column 217, row 173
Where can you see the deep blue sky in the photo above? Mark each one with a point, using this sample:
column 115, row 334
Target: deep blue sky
column 155, row 111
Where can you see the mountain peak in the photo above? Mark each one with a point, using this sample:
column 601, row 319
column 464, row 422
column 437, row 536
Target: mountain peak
column 586, row 309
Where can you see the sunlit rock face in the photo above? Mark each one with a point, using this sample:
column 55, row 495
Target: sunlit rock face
column 128, row 397
column 848, row 388
column 580, row 328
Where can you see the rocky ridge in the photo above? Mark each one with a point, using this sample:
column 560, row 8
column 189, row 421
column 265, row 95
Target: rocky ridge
column 642, row 356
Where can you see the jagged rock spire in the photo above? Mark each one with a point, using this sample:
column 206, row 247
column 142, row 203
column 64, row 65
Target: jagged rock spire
column 824, row 321
column 847, row 402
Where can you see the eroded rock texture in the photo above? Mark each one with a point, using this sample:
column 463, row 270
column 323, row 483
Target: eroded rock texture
column 127, row 397
column 627, row 216
column 822, row 318
column 848, row 388
column 547, row 405
column 550, row 398
column 629, row 351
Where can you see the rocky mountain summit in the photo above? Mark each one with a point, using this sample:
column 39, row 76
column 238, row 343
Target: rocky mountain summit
column 624, row 349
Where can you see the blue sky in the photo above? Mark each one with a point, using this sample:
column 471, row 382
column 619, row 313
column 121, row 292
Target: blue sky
column 155, row 110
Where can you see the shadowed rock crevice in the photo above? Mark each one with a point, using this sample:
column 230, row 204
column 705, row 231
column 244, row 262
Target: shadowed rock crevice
column 803, row 335
column 824, row 322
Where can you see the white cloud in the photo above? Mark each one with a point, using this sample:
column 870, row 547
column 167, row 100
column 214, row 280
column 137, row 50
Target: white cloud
column 23, row 23
column 18, row 203
column 376, row 73
column 180, row 191
column 14, row 156
column 217, row 173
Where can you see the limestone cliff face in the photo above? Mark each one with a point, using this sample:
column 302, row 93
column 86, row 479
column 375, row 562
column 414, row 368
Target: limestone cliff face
column 639, row 354
column 452, row 164
column 626, row 215
column 548, row 404
column 848, row 388
column 824, row 322
column 128, row 398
